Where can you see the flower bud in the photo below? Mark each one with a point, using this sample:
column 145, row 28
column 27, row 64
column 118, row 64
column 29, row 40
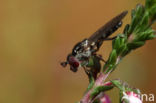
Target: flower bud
column 131, row 97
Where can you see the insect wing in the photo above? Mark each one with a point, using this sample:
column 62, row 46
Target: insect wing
column 108, row 28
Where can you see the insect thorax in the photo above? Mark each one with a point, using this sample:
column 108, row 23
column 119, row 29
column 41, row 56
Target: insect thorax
column 82, row 50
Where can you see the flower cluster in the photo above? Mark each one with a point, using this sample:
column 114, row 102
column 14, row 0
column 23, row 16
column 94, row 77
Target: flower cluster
column 131, row 97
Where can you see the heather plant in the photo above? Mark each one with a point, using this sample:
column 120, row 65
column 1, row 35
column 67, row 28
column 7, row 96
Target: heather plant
column 134, row 36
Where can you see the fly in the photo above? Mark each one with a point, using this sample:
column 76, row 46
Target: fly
column 83, row 50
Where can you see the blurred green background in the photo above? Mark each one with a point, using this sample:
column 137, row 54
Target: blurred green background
column 36, row 35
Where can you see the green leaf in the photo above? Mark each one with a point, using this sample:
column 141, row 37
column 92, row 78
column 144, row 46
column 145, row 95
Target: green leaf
column 119, row 44
column 117, row 84
column 143, row 24
column 144, row 35
column 109, row 68
column 122, row 49
column 145, row 19
column 116, row 42
column 125, row 52
column 123, row 40
column 152, row 36
column 150, row 6
column 135, row 45
column 137, row 16
column 149, row 3
column 112, row 57
column 105, row 67
column 133, row 12
column 126, row 29
column 152, row 13
column 137, row 91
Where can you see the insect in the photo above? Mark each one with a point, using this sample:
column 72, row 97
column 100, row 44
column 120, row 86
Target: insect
column 88, row 47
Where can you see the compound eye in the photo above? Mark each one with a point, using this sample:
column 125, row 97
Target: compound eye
column 75, row 64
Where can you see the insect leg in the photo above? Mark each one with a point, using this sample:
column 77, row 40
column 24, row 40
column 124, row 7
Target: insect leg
column 111, row 38
column 87, row 71
column 100, row 57
column 98, row 44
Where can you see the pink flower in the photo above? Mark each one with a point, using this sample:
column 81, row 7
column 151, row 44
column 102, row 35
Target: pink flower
column 105, row 99
column 130, row 97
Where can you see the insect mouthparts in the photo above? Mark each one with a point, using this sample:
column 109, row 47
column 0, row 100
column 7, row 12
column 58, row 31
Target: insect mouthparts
column 63, row 64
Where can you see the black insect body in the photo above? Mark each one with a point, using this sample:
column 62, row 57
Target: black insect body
column 83, row 50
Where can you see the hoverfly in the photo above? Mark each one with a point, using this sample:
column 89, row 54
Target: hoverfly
column 86, row 48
